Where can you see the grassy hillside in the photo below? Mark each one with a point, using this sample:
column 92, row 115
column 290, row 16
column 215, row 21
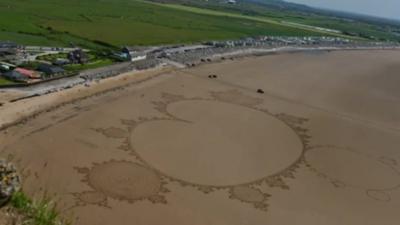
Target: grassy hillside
column 93, row 23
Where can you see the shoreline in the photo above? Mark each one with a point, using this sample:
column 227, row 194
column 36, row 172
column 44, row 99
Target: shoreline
column 18, row 112
column 287, row 50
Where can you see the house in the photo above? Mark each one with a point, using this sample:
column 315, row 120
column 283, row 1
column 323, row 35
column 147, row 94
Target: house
column 30, row 74
column 8, row 48
column 133, row 55
column 8, row 44
column 50, row 69
column 7, row 51
column 137, row 56
column 6, row 66
column 121, row 56
column 15, row 76
column 61, row 62
column 78, row 56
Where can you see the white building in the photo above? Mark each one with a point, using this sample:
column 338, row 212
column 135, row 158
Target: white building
column 133, row 54
column 137, row 56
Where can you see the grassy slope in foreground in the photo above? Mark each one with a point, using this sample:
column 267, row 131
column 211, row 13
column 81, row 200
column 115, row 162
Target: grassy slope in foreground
column 42, row 212
column 124, row 22
column 4, row 81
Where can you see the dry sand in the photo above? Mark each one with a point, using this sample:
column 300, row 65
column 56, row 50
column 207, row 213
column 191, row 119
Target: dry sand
column 14, row 111
column 8, row 95
column 321, row 146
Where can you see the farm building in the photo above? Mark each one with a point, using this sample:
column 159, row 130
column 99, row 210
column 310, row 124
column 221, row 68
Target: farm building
column 50, row 69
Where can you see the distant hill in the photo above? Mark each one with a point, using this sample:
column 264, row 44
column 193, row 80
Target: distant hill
column 279, row 4
column 287, row 6
column 300, row 8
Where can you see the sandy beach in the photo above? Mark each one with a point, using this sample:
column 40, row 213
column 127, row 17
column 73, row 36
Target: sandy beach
column 13, row 112
column 173, row 146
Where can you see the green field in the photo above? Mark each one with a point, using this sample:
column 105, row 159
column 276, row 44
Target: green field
column 356, row 28
column 93, row 23
column 114, row 23
column 95, row 61
column 277, row 11
column 91, row 65
column 263, row 19
column 4, row 81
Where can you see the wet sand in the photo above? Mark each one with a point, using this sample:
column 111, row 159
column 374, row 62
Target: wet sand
column 321, row 146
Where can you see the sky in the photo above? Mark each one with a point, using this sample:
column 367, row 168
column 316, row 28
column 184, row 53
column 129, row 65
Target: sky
column 381, row 8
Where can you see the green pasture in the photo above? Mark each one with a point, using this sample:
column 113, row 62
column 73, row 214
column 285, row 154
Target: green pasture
column 106, row 23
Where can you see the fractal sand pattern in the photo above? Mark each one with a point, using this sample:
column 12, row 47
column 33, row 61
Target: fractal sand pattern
column 145, row 179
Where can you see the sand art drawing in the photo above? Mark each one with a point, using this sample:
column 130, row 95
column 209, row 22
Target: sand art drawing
column 112, row 132
column 121, row 180
column 201, row 151
column 376, row 176
column 191, row 151
column 320, row 146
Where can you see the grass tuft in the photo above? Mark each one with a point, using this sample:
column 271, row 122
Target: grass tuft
column 42, row 212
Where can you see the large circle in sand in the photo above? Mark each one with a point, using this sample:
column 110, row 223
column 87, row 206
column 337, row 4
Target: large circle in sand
column 352, row 168
column 216, row 143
